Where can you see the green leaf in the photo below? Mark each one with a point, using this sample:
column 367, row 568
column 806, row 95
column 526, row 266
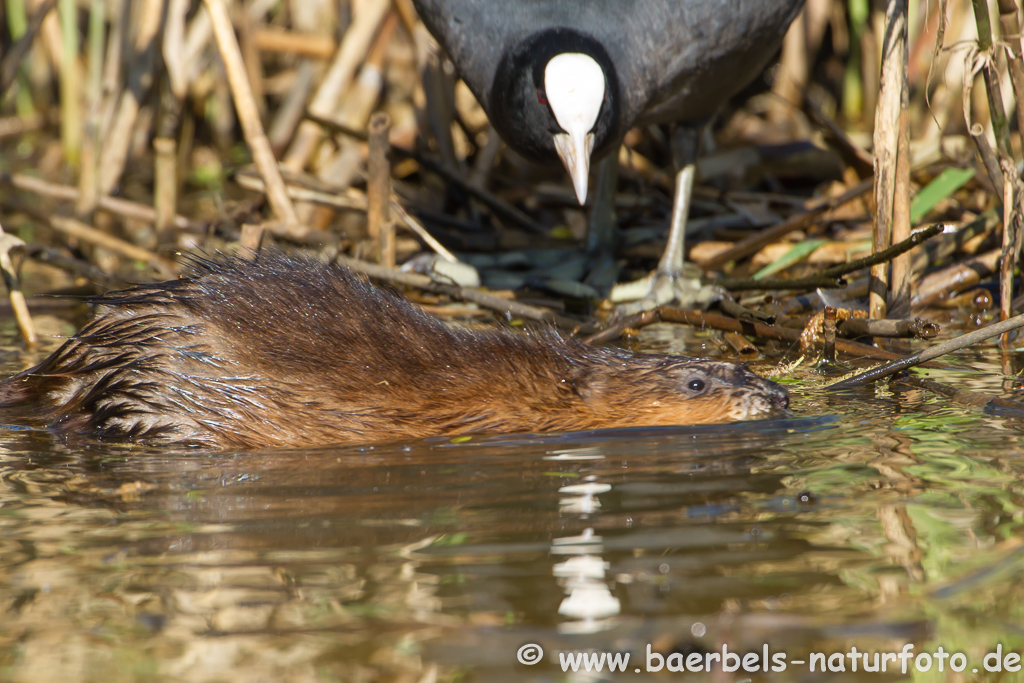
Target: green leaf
column 943, row 185
column 798, row 252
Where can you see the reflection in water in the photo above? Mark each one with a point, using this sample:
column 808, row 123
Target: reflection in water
column 438, row 561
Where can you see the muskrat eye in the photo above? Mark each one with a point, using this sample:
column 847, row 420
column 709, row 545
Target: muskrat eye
column 696, row 385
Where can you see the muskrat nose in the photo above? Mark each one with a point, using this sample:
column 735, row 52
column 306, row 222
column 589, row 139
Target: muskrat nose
column 781, row 396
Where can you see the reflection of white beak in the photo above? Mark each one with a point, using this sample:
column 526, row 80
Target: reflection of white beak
column 574, row 84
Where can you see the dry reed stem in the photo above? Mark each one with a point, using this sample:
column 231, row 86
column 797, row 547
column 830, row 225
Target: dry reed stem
column 1011, row 229
column 888, row 131
column 270, row 39
column 1009, row 23
column 14, row 293
column 351, row 53
column 378, row 191
column 752, row 244
column 249, row 117
column 115, row 205
column 165, row 183
column 117, row 142
column 249, row 242
column 100, row 238
column 955, row 278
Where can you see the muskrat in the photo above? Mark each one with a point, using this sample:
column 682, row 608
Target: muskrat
column 287, row 351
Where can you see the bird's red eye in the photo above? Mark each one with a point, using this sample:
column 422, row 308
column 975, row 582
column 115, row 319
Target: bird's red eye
column 541, row 97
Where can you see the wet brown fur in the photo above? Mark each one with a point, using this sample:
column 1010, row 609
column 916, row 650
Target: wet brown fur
column 283, row 351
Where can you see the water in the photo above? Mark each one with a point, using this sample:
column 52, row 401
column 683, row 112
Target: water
column 871, row 519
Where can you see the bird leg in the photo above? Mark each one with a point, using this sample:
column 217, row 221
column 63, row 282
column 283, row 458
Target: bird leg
column 674, row 280
column 601, row 230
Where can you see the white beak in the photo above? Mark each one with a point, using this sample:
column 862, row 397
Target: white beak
column 575, row 85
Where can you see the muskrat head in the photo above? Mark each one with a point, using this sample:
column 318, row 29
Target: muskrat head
column 668, row 391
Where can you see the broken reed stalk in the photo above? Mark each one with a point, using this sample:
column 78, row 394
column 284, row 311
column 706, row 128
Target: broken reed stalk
column 828, row 333
column 961, row 342
column 115, row 205
column 1009, row 24
column 720, row 322
column 888, row 131
column 87, row 233
column 249, row 117
column 749, row 245
column 992, row 88
column 378, row 191
column 988, row 156
column 165, row 184
column 830, row 277
column 88, row 176
column 125, row 104
column 14, row 293
column 956, row 278
column 249, row 242
column 490, row 301
column 1008, row 257
column 70, row 83
column 353, row 50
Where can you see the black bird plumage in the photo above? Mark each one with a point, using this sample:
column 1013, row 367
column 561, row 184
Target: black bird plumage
column 664, row 61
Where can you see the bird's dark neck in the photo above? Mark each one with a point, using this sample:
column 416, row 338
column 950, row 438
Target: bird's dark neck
column 517, row 94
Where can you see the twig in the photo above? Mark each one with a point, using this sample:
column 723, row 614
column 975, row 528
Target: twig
column 721, row 322
column 739, row 312
column 496, row 204
column 916, row 238
column 988, row 156
column 1008, row 259
column 378, row 191
column 750, row 245
column 249, row 117
column 115, row 205
column 955, row 278
column 351, row 53
column 930, row 353
column 495, row 303
column 87, row 233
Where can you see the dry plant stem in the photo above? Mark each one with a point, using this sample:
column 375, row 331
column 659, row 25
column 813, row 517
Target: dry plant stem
column 724, row 323
column 930, row 353
column 829, row 278
column 87, row 233
column 165, row 182
column 741, row 345
column 1008, row 259
column 988, row 156
column 490, row 301
column 1010, row 29
column 351, row 53
column 125, row 106
column 750, row 245
column 991, row 76
column 899, row 289
column 249, row 117
column 77, row 267
column 88, row 178
column 378, row 191
column 249, row 242
column 955, row 278
column 496, row 204
column 852, row 152
column 115, row 205
column 70, row 83
column 828, row 334
column 12, row 59
column 14, row 293
column 886, row 146
column 974, row 399
column 739, row 312
column 889, row 327
column 271, row 39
